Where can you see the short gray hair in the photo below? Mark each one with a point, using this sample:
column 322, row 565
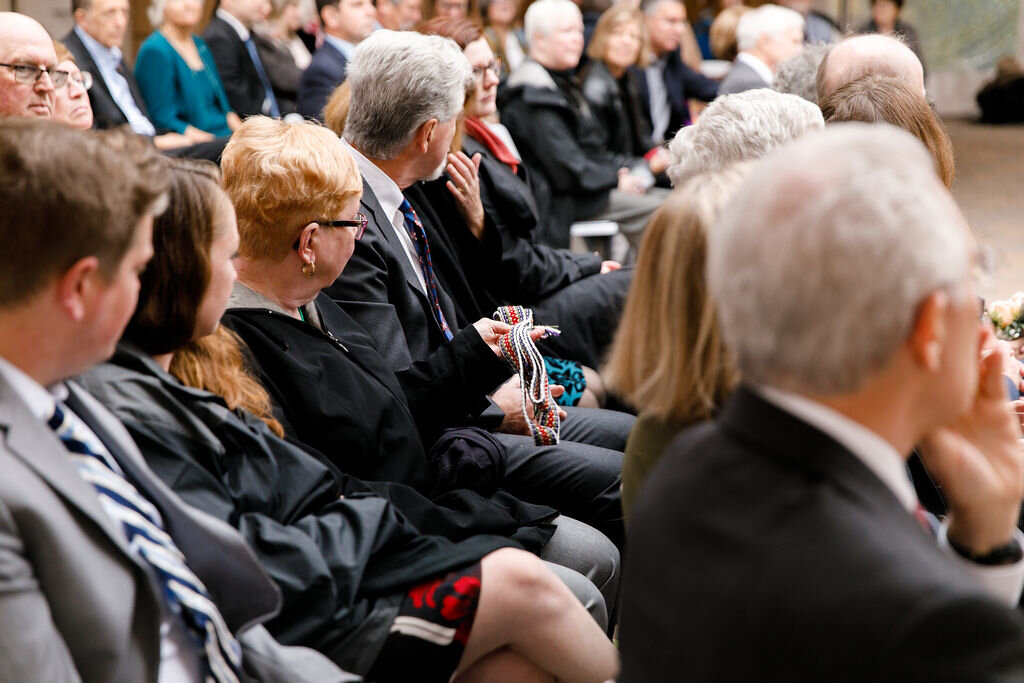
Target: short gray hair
column 400, row 80
column 821, row 261
column 739, row 127
column 799, row 75
column 541, row 15
column 765, row 20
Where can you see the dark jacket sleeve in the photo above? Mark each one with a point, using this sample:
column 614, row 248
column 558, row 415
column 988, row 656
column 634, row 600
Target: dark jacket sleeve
column 697, row 86
column 318, row 82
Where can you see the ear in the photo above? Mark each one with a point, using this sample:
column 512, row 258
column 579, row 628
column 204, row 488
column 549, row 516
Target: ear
column 425, row 134
column 78, row 286
column 79, row 15
column 929, row 332
column 307, row 253
column 329, row 16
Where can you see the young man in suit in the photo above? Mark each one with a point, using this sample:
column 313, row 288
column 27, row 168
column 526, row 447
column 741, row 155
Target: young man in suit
column 229, row 37
column 107, row 575
column 346, row 24
column 667, row 84
column 765, row 37
column 95, row 41
column 785, row 540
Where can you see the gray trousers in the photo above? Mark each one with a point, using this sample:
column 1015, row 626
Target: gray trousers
column 631, row 212
column 588, row 563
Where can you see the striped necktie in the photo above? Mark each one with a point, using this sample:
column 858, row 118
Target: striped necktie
column 419, row 240
column 269, row 101
column 183, row 592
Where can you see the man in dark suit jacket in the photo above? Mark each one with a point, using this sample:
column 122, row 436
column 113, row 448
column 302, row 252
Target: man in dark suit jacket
column 115, row 98
column 386, row 289
column 80, row 594
column 665, row 100
column 346, row 23
column 233, row 48
column 765, row 37
column 785, row 540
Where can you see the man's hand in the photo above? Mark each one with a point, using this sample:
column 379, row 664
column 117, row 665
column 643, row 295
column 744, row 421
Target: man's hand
column 979, row 463
column 465, row 187
column 492, row 330
column 509, row 397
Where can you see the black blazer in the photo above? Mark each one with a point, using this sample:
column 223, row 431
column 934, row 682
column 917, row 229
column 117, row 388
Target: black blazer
column 237, row 72
column 325, row 73
column 761, row 549
column 105, row 112
column 682, row 83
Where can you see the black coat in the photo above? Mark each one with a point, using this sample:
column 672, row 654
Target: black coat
column 338, row 561
column 241, row 81
column 682, row 84
column 338, row 395
column 761, row 549
column 563, row 144
column 615, row 103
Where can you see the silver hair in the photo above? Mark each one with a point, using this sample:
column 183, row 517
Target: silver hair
column 155, row 12
column 648, row 7
column 765, row 20
column 400, row 80
column 799, row 75
column 541, row 16
column 821, row 261
column 738, row 127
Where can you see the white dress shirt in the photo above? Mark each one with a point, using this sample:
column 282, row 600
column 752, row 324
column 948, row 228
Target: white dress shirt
column 878, row 455
column 108, row 59
column 179, row 658
column 657, row 95
column 763, row 71
column 390, row 198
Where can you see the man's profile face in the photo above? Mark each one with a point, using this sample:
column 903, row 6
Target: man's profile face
column 666, row 25
column 25, row 42
column 105, row 20
column 351, row 20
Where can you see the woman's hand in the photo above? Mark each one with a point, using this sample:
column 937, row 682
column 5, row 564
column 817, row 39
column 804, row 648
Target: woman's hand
column 465, row 187
column 630, row 184
column 195, row 136
column 234, row 122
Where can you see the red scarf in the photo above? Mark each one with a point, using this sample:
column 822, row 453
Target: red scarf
column 479, row 131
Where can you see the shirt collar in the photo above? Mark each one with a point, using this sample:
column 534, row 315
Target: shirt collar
column 234, row 23
column 759, row 67
column 877, row 454
column 386, row 190
column 342, row 46
column 39, row 399
column 99, row 51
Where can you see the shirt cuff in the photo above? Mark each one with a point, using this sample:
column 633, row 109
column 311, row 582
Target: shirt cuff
column 1003, row 582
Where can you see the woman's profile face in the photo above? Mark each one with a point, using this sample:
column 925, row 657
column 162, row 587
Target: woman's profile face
column 485, row 74
column 222, row 269
column 334, row 246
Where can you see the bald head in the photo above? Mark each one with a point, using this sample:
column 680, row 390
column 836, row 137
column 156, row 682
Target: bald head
column 865, row 55
column 23, row 40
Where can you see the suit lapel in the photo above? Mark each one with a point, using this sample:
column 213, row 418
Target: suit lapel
column 35, row 444
column 376, row 216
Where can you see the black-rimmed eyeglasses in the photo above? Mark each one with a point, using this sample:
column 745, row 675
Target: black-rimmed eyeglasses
column 30, row 73
column 359, row 223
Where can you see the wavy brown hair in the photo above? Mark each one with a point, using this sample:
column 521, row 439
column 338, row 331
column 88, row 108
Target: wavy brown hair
column 174, row 284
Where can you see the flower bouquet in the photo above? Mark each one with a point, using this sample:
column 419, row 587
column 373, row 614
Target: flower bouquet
column 1007, row 317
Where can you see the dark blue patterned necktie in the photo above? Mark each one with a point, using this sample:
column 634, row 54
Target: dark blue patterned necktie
column 183, row 592
column 419, row 240
column 273, row 109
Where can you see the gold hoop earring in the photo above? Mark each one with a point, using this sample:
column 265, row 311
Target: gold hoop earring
column 309, row 269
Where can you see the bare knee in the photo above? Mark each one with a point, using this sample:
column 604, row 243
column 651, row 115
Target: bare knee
column 526, row 585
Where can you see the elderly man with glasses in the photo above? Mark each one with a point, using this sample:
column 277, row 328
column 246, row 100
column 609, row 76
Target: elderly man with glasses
column 28, row 75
